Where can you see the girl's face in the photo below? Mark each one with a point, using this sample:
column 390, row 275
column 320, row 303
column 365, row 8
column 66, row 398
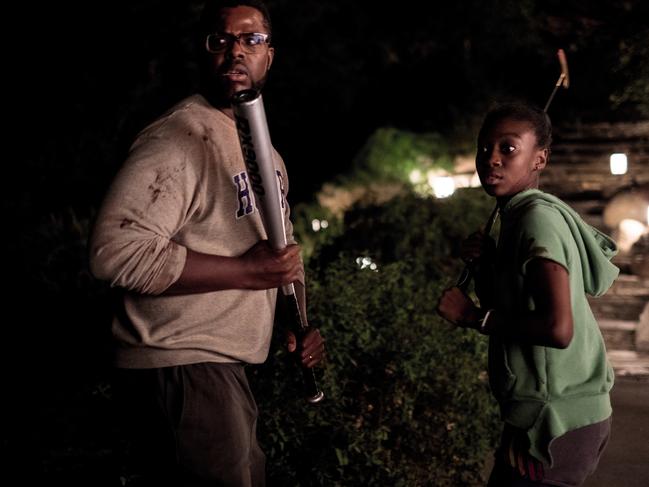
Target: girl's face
column 508, row 160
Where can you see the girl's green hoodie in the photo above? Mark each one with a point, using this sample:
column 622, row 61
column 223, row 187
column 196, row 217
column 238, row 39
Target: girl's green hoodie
column 541, row 390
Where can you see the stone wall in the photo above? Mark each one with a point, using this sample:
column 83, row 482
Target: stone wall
column 579, row 173
column 579, row 167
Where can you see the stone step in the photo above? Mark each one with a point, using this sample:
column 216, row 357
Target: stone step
column 571, row 180
column 629, row 363
column 630, row 263
column 630, row 284
column 587, row 206
column 618, row 334
column 587, row 132
column 626, row 308
column 624, row 301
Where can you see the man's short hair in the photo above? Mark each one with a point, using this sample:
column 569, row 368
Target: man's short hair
column 211, row 9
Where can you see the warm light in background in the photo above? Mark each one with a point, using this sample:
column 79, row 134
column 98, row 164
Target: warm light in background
column 475, row 180
column 630, row 232
column 440, row 183
column 443, row 186
column 366, row 263
column 416, row 176
column 318, row 225
column 618, row 163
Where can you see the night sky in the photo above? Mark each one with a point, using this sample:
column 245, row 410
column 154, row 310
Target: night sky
column 89, row 76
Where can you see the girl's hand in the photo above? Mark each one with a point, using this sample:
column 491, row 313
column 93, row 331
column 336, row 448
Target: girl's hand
column 476, row 246
column 458, row 308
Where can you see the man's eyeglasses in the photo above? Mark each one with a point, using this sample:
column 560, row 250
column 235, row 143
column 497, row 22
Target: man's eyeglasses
column 250, row 42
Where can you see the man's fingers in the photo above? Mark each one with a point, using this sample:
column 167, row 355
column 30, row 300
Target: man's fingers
column 313, row 357
column 313, row 348
column 312, row 337
column 291, row 342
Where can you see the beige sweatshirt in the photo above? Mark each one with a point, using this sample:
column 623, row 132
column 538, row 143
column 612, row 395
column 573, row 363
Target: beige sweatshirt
column 184, row 185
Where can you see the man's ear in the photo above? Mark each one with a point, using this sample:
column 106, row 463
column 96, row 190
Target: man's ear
column 542, row 157
column 269, row 58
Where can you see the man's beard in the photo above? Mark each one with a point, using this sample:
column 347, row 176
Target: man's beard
column 259, row 84
column 220, row 92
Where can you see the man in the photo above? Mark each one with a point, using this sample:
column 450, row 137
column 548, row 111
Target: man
column 179, row 233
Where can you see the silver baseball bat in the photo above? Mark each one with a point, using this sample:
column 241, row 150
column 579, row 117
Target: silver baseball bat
column 256, row 147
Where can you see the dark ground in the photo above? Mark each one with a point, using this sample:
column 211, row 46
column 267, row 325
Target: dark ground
column 76, row 443
column 625, row 462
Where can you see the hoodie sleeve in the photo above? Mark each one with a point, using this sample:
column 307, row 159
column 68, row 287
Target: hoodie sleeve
column 558, row 233
column 544, row 235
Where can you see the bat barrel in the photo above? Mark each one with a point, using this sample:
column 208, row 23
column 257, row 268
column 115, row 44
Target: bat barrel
column 252, row 128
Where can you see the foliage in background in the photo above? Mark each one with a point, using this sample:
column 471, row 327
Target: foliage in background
column 391, row 154
column 69, row 307
column 58, row 320
column 634, row 66
column 381, row 170
column 412, row 227
column 407, row 401
column 303, row 216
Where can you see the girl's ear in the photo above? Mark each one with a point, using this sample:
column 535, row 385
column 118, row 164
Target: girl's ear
column 541, row 159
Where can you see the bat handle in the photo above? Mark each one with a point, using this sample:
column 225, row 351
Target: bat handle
column 465, row 277
column 313, row 393
column 469, row 269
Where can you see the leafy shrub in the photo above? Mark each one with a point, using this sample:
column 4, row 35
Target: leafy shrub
column 69, row 295
column 423, row 230
column 60, row 428
column 407, row 399
column 303, row 216
column 390, row 154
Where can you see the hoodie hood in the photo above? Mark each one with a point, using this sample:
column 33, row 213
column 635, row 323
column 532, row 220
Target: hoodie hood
column 595, row 248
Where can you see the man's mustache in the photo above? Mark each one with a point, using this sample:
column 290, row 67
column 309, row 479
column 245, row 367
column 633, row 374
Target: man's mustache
column 233, row 67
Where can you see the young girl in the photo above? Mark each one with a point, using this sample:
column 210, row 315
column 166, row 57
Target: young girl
column 547, row 362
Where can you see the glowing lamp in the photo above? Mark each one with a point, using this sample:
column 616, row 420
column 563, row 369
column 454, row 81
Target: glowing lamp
column 416, row 176
column 442, row 186
column 618, row 163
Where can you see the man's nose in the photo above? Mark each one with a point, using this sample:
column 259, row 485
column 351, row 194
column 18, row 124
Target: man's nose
column 234, row 49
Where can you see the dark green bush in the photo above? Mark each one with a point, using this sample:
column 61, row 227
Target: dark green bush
column 421, row 230
column 302, row 216
column 407, row 400
column 390, row 154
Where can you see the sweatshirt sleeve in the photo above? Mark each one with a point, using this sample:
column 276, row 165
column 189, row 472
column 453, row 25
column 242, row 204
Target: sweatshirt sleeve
column 151, row 198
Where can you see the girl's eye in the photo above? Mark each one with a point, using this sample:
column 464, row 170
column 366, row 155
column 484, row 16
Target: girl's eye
column 507, row 149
